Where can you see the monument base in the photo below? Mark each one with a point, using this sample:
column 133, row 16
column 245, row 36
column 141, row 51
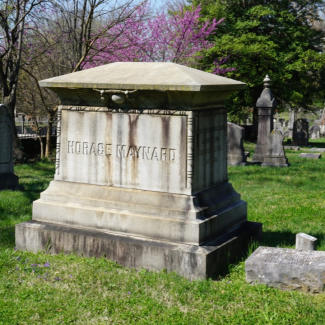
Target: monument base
column 275, row 162
column 9, row 181
column 191, row 261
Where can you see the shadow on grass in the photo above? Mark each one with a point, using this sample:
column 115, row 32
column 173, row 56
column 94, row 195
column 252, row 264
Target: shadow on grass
column 7, row 237
column 285, row 238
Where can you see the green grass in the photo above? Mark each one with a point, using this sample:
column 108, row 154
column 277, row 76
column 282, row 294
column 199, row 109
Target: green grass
column 63, row 289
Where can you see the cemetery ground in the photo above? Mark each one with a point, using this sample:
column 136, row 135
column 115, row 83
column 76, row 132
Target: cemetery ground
column 47, row 289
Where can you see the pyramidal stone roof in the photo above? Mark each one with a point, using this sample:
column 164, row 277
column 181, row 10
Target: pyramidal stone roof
column 143, row 76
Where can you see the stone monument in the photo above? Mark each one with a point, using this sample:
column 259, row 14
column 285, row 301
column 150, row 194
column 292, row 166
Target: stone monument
column 292, row 119
column 141, row 171
column 236, row 152
column 8, row 180
column 288, row 269
column 274, row 153
column 301, row 132
column 265, row 105
column 314, row 132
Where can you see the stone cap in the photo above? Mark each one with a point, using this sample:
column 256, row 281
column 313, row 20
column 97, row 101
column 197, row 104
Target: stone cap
column 161, row 76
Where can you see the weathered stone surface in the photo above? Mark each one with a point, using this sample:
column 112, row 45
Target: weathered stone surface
column 140, row 160
column 8, row 180
column 305, row 242
column 310, row 155
column 274, row 155
column 191, row 261
column 292, row 119
column 235, row 144
column 300, row 132
column 144, row 76
column 314, row 132
column 287, row 269
column 265, row 105
column 295, row 148
column 317, row 149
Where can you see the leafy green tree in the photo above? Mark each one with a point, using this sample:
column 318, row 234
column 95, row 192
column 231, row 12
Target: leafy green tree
column 278, row 38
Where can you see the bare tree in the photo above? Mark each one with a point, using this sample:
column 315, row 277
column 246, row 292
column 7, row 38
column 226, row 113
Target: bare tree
column 14, row 16
column 59, row 42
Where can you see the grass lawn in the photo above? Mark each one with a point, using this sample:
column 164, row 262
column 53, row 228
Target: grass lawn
column 62, row 289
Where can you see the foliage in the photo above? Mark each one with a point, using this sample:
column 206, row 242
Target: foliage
column 46, row 289
column 174, row 37
column 272, row 37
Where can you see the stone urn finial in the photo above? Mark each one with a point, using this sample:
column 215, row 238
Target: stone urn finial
column 266, row 99
column 267, row 81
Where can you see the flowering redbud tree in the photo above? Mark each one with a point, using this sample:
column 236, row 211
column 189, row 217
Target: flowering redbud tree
column 180, row 38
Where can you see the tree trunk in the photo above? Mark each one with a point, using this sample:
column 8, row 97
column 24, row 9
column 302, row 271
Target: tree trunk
column 41, row 146
column 51, row 118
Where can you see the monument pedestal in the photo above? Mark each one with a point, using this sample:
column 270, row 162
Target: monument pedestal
column 191, row 261
column 141, row 171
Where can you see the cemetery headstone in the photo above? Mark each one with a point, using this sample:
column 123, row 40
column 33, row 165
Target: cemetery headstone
column 292, row 119
column 8, row 180
column 295, row 148
column 275, row 156
column 265, row 105
column 141, row 171
column 315, row 132
column 317, row 149
column 310, row 155
column 286, row 268
column 236, row 151
column 305, row 242
column 300, row 132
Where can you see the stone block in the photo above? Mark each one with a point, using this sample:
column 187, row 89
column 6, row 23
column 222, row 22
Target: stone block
column 305, row 242
column 235, row 137
column 191, row 261
column 285, row 268
column 295, row 148
column 310, row 155
column 8, row 180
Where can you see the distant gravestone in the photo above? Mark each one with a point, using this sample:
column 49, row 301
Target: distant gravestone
column 300, row 132
column 236, row 152
column 274, row 155
column 265, row 105
column 315, row 132
column 292, row 119
column 8, row 180
column 305, row 242
column 310, row 155
column 285, row 268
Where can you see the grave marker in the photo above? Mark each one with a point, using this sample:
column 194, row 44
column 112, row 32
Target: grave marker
column 141, row 171
column 8, row 180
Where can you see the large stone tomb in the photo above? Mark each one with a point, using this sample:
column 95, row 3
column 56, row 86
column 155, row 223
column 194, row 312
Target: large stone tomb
column 8, row 180
column 141, row 171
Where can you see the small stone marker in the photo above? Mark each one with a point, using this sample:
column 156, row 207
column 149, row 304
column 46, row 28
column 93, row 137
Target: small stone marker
column 291, row 122
column 317, row 149
column 275, row 156
column 315, row 132
column 310, row 155
column 295, row 148
column 305, row 242
column 236, row 152
column 8, row 180
column 285, row 268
